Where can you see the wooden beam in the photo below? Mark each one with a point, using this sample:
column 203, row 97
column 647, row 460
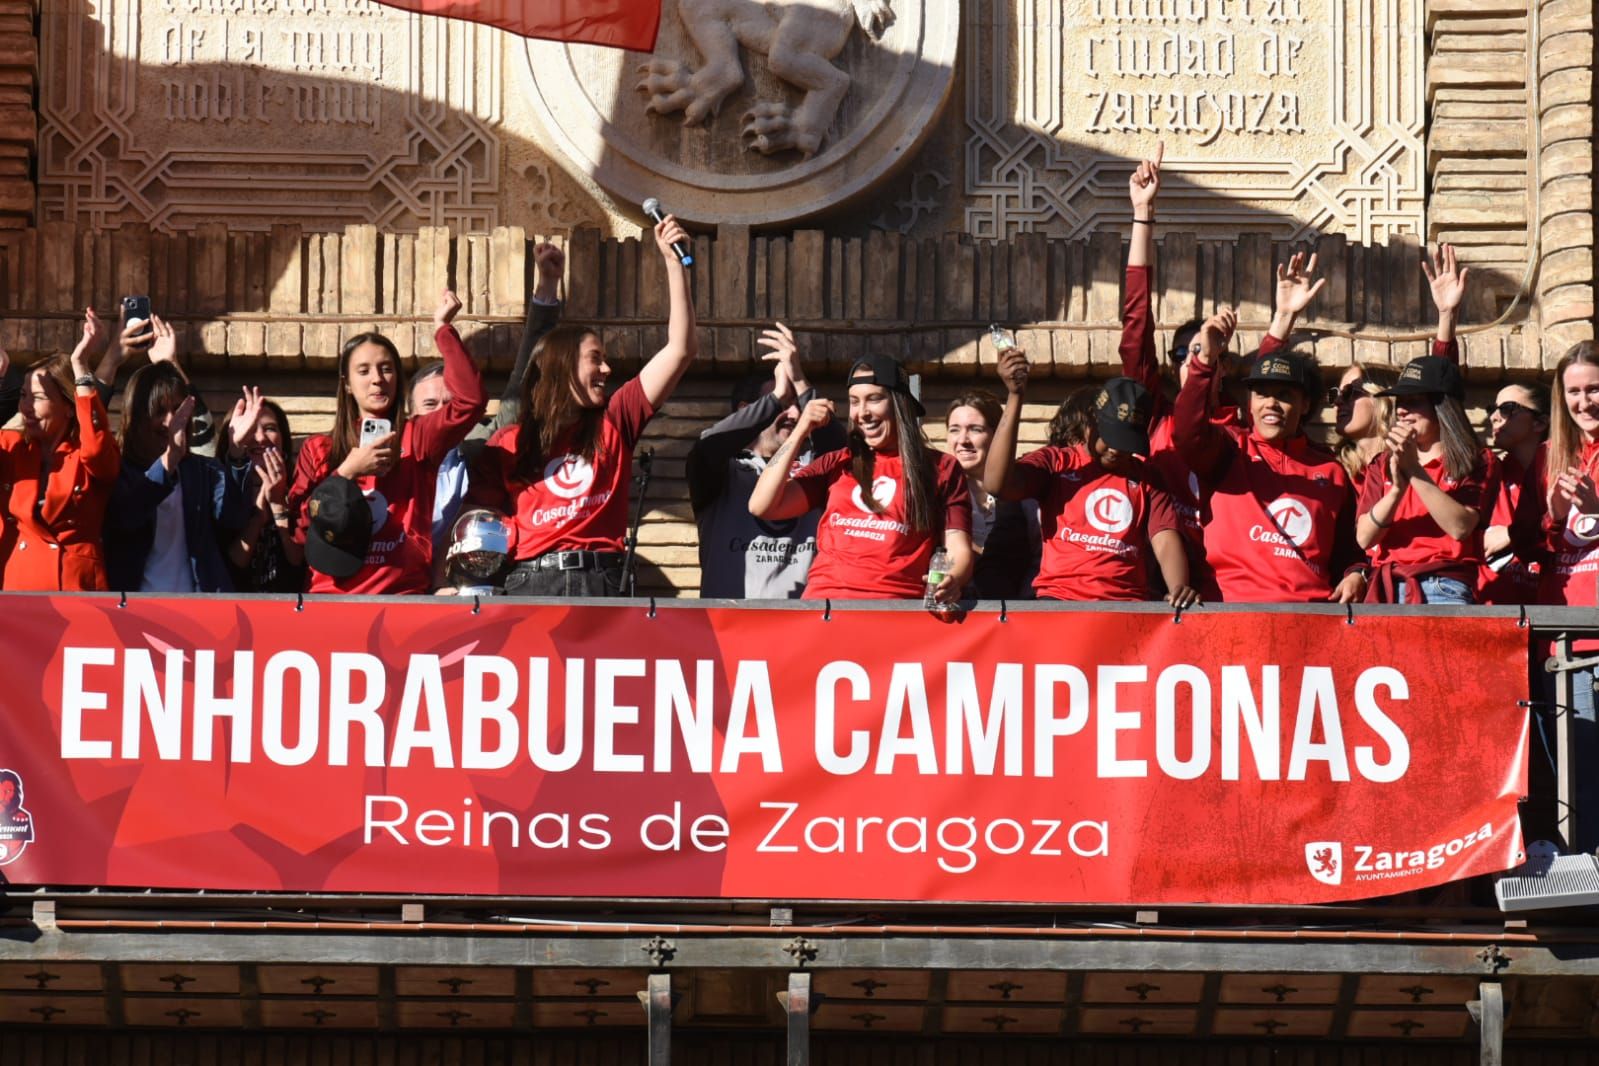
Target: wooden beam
column 1491, row 1023
column 657, row 1001
column 893, row 952
column 797, row 1006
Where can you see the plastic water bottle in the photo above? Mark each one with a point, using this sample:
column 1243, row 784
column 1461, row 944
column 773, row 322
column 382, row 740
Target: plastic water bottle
column 936, row 572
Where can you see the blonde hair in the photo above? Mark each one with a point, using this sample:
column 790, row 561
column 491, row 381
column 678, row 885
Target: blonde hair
column 1377, row 376
column 1565, row 438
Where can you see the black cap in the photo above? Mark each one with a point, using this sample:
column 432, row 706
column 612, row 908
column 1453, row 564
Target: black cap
column 884, row 370
column 340, row 527
column 1285, row 368
column 1122, row 411
column 1429, row 374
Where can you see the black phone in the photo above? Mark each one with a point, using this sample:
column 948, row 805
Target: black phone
column 135, row 307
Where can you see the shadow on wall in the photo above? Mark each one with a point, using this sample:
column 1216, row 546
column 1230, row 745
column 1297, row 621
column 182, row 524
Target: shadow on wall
column 724, row 96
column 177, row 177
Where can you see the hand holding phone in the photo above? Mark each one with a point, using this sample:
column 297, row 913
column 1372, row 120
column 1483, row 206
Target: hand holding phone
column 135, row 309
column 373, row 430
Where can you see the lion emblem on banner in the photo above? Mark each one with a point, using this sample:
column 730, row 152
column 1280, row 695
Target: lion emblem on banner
column 799, row 39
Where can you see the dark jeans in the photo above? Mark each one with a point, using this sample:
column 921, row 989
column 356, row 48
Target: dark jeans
column 602, row 582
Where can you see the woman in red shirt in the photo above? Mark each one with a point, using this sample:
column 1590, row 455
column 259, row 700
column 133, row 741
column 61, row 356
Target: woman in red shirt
column 1559, row 515
column 564, row 469
column 396, row 473
column 1518, row 426
column 1559, row 509
column 889, row 497
column 1097, row 501
column 1421, row 505
column 1279, row 511
column 56, row 476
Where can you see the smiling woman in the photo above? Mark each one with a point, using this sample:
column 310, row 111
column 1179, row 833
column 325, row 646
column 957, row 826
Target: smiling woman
column 56, row 475
column 392, row 463
column 888, row 498
column 563, row 470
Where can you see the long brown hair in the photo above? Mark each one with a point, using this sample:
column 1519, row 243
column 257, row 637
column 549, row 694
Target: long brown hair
column 1565, row 438
column 1463, row 452
column 346, row 435
column 57, row 369
column 549, row 408
column 916, row 456
column 152, row 390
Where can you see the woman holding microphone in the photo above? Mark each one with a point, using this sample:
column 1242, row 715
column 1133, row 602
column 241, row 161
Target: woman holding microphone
column 562, row 471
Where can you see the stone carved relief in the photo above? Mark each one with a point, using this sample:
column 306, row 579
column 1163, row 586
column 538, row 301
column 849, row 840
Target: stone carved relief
column 799, row 41
column 1291, row 116
column 321, row 112
column 922, row 195
column 786, row 109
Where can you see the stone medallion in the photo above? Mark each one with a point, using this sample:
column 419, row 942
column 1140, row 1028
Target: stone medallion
column 750, row 112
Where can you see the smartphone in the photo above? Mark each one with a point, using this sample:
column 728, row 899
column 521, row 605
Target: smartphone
column 373, row 429
column 1003, row 339
column 135, row 307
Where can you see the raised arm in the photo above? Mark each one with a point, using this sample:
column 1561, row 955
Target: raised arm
column 706, row 469
column 999, row 471
column 667, row 366
column 1447, row 280
column 543, row 315
column 776, row 496
column 1297, row 286
column 1138, row 323
column 1142, row 189
column 444, row 427
column 1203, row 444
column 101, row 455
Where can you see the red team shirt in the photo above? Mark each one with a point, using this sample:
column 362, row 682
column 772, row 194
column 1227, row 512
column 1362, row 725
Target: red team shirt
column 400, row 558
column 1096, row 525
column 1516, row 580
column 1570, row 572
column 866, row 556
column 1414, row 543
column 1280, row 522
column 1170, row 468
column 576, row 505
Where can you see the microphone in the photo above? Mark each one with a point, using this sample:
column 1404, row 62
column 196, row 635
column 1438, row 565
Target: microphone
column 652, row 207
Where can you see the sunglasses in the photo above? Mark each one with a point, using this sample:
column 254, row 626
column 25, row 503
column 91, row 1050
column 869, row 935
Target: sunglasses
column 1510, row 409
column 1180, row 354
column 1337, row 397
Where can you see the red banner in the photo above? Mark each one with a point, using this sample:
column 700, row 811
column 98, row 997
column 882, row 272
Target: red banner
column 617, row 23
column 1053, row 757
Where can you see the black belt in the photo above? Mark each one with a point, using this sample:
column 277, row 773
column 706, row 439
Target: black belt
column 573, row 560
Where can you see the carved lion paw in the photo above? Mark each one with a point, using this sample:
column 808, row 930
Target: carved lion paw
column 874, row 16
column 668, row 83
column 771, row 128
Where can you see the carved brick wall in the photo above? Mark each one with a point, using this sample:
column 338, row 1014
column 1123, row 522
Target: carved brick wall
column 19, row 71
column 1566, row 207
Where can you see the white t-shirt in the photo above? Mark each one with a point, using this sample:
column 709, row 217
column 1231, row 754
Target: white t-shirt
column 167, row 568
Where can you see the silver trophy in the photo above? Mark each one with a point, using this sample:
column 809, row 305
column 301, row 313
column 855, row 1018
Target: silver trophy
column 479, row 552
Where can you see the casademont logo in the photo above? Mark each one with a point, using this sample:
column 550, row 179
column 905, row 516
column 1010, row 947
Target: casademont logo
column 569, row 476
column 1325, row 859
column 1109, row 510
column 1581, row 529
column 883, row 490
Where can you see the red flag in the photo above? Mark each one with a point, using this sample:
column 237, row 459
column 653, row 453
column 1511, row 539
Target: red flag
column 616, row 23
